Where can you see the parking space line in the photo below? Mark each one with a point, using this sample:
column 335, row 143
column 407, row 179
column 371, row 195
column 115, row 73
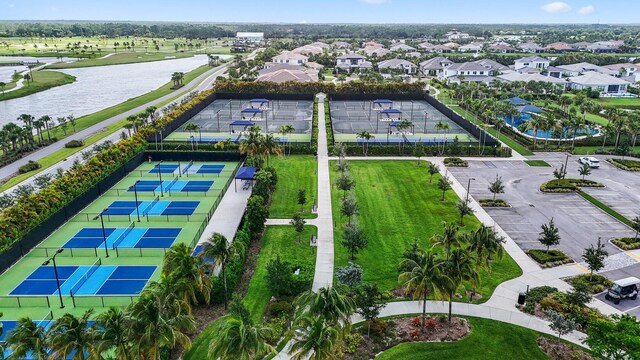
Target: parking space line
column 598, row 222
column 524, row 232
column 574, row 207
column 582, row 268
column 520, row 223
column 633, row 255
column 633, row 308
column 578, row 214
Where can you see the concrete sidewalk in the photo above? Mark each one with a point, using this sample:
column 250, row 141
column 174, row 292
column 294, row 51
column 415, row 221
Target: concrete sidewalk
column 227, row 216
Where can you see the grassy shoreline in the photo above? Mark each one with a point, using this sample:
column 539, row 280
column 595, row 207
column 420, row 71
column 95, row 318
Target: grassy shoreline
column 42, row 80
column 121, row 59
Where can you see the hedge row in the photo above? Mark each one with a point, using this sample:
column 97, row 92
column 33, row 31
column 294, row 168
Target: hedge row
column 294, row 87
column 625, row 164
column 314, row 126
column 328, row 124
column 567, row 185
column 391, row 150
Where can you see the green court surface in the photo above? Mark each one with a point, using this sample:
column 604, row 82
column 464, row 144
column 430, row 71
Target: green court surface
column 212, row 137
column 425, row 138
column 129, row 242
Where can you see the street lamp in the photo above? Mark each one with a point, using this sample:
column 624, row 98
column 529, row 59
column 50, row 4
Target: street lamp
column 135, row 191
column 160, row 176
column 55, row 270
column 468, row 188
column 566, row 162
column 104, row 234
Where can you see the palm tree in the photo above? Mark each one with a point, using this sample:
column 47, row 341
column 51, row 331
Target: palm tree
column 72, row 335
column 327, row 303
column 27, row 338
column 251, row 145
column 188, row 273
column 549, row 123
column 286, row 130
column 47, row 124
column 270, row 146
column 218, row 248
column 113, row 331
column 459, row 267
column 441, row 125
column 486, row 244
column 534, row 123
column 449, row 239
column 2, row 86
column 238, row 338
column 617, row 120
column 315, row 339
column 425, row 277
column 364, row 135
column 177, row 78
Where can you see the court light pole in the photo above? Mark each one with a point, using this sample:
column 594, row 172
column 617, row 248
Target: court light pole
column 566, row 162
column 160, row 176
column 135, row 192
column 104, row 233
column 468, row 188
column 55, row 271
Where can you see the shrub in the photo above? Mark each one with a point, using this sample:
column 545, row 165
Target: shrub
column 281, row 307
column 352, row 342
column 494, row 203
column 550, row 258
column 282, row 280
column 378, row 328
column 627, row 243
column 550, row 303
column 74, row 144
column 535, row 295
column 30, row 166
column 455, row 162
column 626, row 164
column 430, row 323
column 567, row 185
column 416, row 321
column 594, row 283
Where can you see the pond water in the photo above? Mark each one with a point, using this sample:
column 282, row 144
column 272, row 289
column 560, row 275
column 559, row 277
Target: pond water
column 97, row 88
column 542, row 134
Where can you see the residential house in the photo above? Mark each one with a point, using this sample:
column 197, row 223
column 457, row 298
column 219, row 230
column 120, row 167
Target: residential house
column 597, row 81
column 519, row 77
column 628, row 71
column 308, row 50
column 413, row 54
column 441, row 49
column 288, row 57
column 314, row 65
column 465, row 72
column 434, row 66
column 583, row 68
column 456, row 35
column 559, row 47
column 605, row 46
column 452, row 45
column 352, row 63
column 377, row 52
column 426, row 46
column 405, row 66
column 341, row 45
column 320, row 44
column 284, row 75
column 554, row 72
column 402, row 47
column 372, row 44
column 249, row 37
column 581, row 46
column 530, row 47
column 536, row 62
column 501, row 48
column 473, row 47
column 494, row 67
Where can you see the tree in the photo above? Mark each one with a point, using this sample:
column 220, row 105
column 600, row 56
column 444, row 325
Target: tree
column 418, row 151
column 257, row 213
column 189, row 274
column 444, row 184
column 615, row 339
column 459, row 266
column 302, row 198
column 550, row 235
column 286, row 130
column 432, row 169
column 42, row 180
column 424, row 278
column 560, row 173
column 497, row 186
column 594, row 257
column 279, row 274
column 298, row 224
column 354, row 239
column 449, row 239
column 349, row 207
column 2, row 86
column 350, row 275
column 72, row 121
column 27, row 338
column 635, row 225
column 579, row 295
column 560, row 324
column 27, row 77
column 177, row 78
column 239, row 339
column 369, row 301
column 113, row 332
column 345, row 183
column 217, row 247
column 584, row 170
column 365, row 135
column 315, row 338
column 464, row 209
column 326, row 303
column 71, row 335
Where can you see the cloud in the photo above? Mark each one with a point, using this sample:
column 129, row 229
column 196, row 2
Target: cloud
column 556, row 7
column 376, row 2
column 586, row 10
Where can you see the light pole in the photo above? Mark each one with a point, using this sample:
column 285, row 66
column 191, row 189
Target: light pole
column 104, row 234
column 468, row 188
column 160, row 176
column 55, row 271
column 566, row 162
column 135, row 192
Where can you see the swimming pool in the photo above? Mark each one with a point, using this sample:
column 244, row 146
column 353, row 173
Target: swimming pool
column 566, row 133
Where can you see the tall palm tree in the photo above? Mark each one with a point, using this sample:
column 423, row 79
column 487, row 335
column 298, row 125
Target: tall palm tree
column 458, row 268
column 48, row 122
column 327, row 303
column 315, row 338
column 442, row 125
column 549, row 123
column 251, row 145
column 449, row 239
column 617, row 120
column 113, row 332
column 486, row 244
column 270, row 146
column 286, row 130
column 188, row 273
column 534, row 123
column 218, row 248
column 424, row 278
column 27, row 338
column 364, row 135
column 72, row 336
column 239, row 339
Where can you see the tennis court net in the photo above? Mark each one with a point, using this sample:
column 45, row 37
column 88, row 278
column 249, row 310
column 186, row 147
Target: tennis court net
column 170, row 185
column 123, row 235
column 146, row 210
column 85, row 277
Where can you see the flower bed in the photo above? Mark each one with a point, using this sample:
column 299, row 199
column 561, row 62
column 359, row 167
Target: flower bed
column 494, row 203
column 455, row 162
column 549, row 259
column 627, row 243
column 625, row 164
column 595, row 283
column 567, row 185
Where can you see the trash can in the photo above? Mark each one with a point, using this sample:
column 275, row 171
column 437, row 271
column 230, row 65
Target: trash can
column 521, row 298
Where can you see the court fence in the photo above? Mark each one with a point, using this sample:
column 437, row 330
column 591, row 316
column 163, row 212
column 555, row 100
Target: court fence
column 19, row 301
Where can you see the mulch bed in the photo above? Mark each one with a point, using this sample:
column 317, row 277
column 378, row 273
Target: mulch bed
column 404, row 330
column 558, row 350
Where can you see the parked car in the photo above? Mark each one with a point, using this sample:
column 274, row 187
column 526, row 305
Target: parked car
column 626, row 288
column 590, row 160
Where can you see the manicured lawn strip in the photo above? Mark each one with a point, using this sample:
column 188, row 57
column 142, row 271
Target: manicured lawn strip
column 121, row 58
column 397, row 205
column 294, row 172
column 591, row 150
column 200, row 346
column 541, row 163
column 42, row 80
column 606, row 209
column 629, row 103
column 277, row 240
column 488, row 340
column 516, row 146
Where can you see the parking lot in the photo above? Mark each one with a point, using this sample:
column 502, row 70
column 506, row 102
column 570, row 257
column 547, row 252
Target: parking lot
column 632, row 307
column 580, row 222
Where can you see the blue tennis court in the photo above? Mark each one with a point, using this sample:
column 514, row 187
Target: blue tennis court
column 86, row 280
column 173, row 186
column 164, row 169
column 152, row 208
column 205, row 169
column 89, row 238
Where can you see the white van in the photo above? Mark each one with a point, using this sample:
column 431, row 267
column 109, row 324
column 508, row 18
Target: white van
column 590, row 160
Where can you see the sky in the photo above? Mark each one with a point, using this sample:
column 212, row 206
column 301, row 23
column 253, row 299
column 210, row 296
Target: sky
column 329, row 11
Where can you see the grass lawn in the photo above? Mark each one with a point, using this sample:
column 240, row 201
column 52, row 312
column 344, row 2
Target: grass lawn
column 42, row 80
column 277, row 240
column 121, row 58
column 200, row 346
column 606, row 209
column 628, row 103
column 397, row 205
column 294, row 172
column 591, row 150
column 540, row 163
column 488, row 340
